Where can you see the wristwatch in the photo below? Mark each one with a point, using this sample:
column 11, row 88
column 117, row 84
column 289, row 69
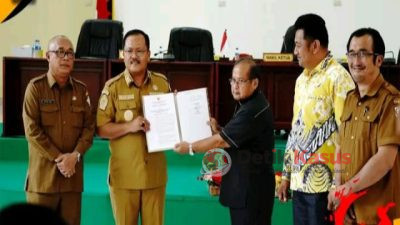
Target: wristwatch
column 191, row 152
column 79, row 156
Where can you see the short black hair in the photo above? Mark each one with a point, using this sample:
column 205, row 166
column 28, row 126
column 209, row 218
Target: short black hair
column 314, row 28
column 255, row 70
column 137, row 32
column 378, row 45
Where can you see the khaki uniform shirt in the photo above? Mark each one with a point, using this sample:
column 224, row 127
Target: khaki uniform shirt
column 131, row 166
column 56, row 120
column 368, row 123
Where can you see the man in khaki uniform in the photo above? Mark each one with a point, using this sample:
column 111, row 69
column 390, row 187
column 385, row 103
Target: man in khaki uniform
column 137, row 178
column 370, row 134
column 59, row 127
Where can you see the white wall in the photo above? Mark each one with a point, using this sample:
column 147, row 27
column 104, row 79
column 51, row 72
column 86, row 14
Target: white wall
column 43, row 20
column 257, row 26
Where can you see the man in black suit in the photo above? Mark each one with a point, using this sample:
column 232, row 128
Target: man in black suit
column 248, row 188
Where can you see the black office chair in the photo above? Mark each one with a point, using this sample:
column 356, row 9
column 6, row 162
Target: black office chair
column 100, row 39
column 398, row 58
column 191, row 44
column 288, row 40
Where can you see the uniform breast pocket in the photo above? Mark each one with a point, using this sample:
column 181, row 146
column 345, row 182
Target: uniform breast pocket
column 49, row 114
column 77, row 114
column 367, row 127
column 127, row 111
column 345, row 129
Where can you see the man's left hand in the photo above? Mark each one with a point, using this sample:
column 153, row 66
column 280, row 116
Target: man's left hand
column 333, row 201
column 66, row 164
column 345, row 189
column 336, row 194
column 182, row 147
column 215, row 128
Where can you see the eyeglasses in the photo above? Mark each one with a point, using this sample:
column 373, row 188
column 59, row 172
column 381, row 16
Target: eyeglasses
column 61, row 53
column 360, row 54
column 138, row 53
column 239, row 82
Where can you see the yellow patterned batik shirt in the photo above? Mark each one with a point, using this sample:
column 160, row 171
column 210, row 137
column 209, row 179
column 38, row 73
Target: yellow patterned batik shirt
column 318, row 103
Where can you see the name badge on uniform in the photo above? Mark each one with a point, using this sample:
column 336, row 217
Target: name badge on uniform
column 128, row 115
column 47, row 101
column 126, row 97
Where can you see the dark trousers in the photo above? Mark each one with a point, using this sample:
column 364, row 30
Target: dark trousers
column 248, row 216
column 67, row 204
column 259, row 208
column 310, row 209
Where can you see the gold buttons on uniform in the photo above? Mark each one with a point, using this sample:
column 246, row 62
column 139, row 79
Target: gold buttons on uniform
column 367, row 117
column 355, row 118
column 359, row 104
column 352, row 137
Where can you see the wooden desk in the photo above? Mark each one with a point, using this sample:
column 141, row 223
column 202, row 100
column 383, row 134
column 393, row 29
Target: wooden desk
column 391, row 73
column 181, row 75
column 17, row 72
column 277, row 82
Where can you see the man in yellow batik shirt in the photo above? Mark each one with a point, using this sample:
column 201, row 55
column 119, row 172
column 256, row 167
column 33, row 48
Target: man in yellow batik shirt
column 320, row 93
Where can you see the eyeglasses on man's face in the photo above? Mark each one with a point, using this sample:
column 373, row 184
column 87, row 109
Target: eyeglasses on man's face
column 61, row 53
column 138, row 53
column 360, row 55
column 239, row 82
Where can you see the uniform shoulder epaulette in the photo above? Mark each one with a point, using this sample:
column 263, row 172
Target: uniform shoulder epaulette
column 350, row 92
column 38, row 78
column 112, row 80
column 79, row 82
column 109, row 83
column 159, row 75
column 391, row 88
column 396, row 101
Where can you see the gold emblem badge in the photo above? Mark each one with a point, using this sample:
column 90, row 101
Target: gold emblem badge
column 128, row 115
column 103, row 102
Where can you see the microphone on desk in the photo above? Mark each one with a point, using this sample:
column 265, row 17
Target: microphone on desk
column 164, row 55
column 160, row 52
column 389, row 60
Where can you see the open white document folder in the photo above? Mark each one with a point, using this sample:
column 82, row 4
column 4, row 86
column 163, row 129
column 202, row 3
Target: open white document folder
column 176, row 118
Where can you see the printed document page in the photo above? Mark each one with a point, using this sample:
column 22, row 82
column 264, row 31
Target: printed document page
column 160, row 111
column 193, row 111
